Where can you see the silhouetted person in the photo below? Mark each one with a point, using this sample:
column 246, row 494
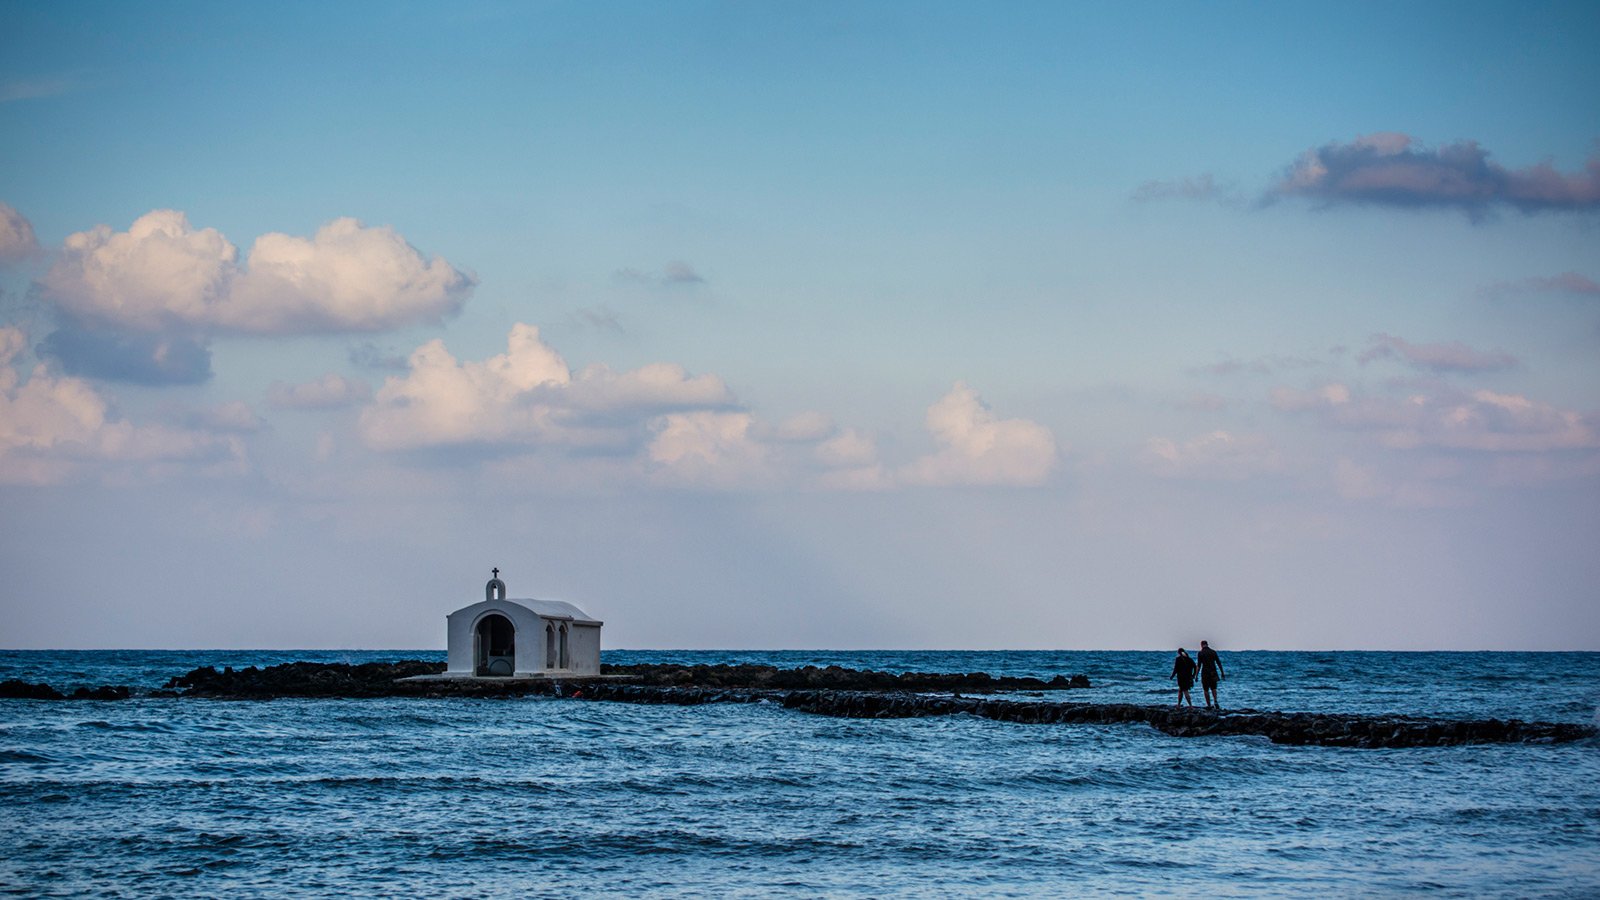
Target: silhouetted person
column 1183, row 670
column 1210, row 673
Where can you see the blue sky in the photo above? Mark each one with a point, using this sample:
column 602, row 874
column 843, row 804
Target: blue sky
column 884, row 325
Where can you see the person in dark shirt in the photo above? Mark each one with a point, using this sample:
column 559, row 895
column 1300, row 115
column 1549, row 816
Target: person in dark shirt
column 1183, row 670
column 1211, row 672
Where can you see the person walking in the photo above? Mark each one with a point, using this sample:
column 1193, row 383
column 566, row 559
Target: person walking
column 1211, row 672
column 1183, row 671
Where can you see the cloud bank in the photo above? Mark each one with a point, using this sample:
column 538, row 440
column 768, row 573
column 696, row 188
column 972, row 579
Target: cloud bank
column 1393, row 169
column 1453, row 356
column 162, row 274
column 525, row 397
column 659, row 425
column 53, row 428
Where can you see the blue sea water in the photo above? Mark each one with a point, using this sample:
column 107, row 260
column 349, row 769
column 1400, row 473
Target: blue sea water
column 540, row 797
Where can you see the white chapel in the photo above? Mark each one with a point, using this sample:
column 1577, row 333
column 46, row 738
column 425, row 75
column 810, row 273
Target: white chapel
column 500, row 637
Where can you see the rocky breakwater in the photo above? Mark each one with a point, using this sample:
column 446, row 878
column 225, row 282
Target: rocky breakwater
column 387, row 679
column 16, row 689
column 838, row 691
column 1321, row 729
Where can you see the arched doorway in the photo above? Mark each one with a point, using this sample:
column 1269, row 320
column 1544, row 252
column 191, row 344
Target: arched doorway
column 495, row 642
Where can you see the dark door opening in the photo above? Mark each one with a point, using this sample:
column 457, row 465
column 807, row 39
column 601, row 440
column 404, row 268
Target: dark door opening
column 496, row 646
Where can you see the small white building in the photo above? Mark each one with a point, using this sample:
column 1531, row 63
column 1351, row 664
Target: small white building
column 525, row 638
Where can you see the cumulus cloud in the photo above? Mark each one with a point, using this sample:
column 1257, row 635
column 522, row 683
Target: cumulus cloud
column 978, row 448
column 54, row 427
column 1446, row 357
column 526, row 397
column 331, row 391
column 1393, row 169
column 17, row 241
column 1218, row 455
column 529, row 412
column 164, row 275
column 705, row 448
column 150, row 359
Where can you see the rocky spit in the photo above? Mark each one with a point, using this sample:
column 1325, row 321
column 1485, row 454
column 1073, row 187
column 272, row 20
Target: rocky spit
column 836, row 691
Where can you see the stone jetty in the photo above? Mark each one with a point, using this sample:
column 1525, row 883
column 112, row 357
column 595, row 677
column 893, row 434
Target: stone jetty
column 841, row 692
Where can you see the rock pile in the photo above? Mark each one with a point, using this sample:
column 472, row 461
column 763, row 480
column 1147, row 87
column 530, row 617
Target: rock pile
column 16, row 689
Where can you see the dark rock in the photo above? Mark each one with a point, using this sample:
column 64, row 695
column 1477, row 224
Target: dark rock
column 303, row 679
column 104, row 692
column 746, row 675
column 15, row 689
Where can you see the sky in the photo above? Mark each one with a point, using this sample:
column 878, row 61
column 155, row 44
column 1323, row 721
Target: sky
column 820, row 325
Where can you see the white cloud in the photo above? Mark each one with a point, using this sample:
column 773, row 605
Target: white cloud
column 706, row 448
column 848, row 448
column 526, row 397
column 660, row 425
column 331, row 391
column 52, row 428
column 163, row 274
column 977, row 448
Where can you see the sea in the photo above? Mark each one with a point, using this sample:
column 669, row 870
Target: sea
column 540, row 797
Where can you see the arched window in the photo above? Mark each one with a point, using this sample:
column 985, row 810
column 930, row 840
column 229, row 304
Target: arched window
column 550, row 655
column 566, row 662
